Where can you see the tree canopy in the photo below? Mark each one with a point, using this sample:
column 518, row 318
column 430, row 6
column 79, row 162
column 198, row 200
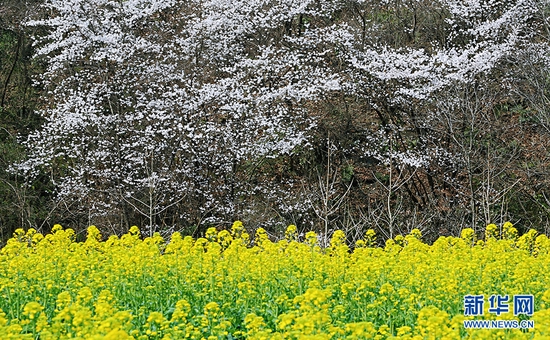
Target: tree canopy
column 391, row 115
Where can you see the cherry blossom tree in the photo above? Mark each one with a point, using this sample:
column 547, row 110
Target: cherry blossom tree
column 162, row 108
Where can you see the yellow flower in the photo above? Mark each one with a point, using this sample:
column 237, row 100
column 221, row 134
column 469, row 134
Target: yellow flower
column 155, row 317
column 124, row 287
column 254, row 322
column 181, row 311
column 468, row 235
column 134, row 231
column 237, row 229
column 93, row 234
column 311, row 238
column 84, row 295
column 491, row 232
column 225, row 238
column 63, row 299
column 370, row 238
column 291, row 233
column 416, row 233
column 261, row 238
column 211, row 309
column 56, row 228
column 211, row 234
column 31, row 309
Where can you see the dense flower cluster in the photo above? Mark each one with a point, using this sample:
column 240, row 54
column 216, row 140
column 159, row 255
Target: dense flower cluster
column 233, row 286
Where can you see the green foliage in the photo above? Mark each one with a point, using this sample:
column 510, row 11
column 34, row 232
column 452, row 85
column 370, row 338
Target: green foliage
column 347, row 173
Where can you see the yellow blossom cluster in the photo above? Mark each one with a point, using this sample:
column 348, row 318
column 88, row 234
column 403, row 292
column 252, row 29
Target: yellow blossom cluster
column 230, row 285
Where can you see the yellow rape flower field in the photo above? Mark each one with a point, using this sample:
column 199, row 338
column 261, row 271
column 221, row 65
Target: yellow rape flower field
column 227, row 286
